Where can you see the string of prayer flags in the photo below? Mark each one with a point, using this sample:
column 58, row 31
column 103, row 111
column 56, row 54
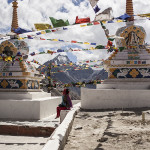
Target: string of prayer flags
column 59, row 23
column 34, row 34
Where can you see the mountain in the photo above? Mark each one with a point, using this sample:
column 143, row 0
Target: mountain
column 70, row 74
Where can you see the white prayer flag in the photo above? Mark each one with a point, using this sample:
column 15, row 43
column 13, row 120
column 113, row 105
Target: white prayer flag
column 93, row 2
column 106, row 15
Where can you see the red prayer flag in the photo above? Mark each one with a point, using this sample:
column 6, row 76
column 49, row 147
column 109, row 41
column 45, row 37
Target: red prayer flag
column 82, row 20
column 95, row 23
column 73, row 41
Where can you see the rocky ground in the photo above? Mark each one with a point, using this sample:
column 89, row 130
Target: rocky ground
column 110, row 130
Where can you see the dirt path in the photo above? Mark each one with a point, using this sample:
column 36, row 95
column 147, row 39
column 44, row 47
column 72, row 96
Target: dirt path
column 110, row 130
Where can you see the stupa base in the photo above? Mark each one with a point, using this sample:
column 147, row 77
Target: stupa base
column 116, row 95
column 27, row 106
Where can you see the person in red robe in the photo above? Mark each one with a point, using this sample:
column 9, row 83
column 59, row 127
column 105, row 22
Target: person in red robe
column 66, row 103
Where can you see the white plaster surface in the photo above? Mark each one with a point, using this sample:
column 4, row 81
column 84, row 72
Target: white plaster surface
column 29, row 109
column 21, row 142
column 114, row 98
column 63, row 114
column 58, row 138
column 23, row 95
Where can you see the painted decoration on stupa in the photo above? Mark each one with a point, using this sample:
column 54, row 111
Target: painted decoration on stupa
column 129, row 73
column 133, row 36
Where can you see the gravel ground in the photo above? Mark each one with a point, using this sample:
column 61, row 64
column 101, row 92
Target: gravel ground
column 110, row 130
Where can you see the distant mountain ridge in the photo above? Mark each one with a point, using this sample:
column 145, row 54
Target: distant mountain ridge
column 72, row 75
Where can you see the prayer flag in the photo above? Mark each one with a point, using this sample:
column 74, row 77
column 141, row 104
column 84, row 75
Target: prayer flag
column 124, row 17
column 38, row 33
column 86, row 43
column 83, row 25
column 106, row 15
column 73, row 41
column 96, row 9
column 30, row 37
column 59, row 23
column 93, row 43
column 42, row 26
column 100, row 47
column 43, row 32
column 82, row 20
column 93, row 2
column 144, row 15
column 96, row 22
column 47, row 31
column 21, row 31
column 55, row 39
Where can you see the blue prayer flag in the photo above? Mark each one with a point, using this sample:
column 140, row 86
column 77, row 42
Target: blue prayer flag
column 93, row 43
column 96, row 9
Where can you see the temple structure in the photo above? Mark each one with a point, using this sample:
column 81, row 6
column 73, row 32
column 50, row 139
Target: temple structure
column 128, row 82
column 20, row 93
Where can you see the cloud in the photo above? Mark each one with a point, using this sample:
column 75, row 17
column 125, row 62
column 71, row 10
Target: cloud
column 37, row 11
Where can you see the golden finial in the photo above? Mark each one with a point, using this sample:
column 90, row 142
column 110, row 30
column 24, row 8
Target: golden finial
column 129, row 9
column 14, row 24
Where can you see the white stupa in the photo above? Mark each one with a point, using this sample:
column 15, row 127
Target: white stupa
column 20, row 93
column 128, row 82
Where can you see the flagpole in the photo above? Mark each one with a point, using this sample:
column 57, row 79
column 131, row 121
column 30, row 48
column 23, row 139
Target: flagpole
column 49, row 78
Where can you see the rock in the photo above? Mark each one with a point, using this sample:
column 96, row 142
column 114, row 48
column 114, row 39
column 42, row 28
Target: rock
column 78, row 128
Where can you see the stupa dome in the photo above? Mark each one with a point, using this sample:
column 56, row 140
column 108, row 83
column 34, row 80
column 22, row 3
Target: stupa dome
column 12, row 47
column 133, row 35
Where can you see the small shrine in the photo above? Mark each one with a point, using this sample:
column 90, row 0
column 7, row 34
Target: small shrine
column 128, row 68
column 20, row 93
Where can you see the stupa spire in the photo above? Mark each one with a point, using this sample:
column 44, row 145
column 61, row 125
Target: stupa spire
column 129, row 9
column 14, row 24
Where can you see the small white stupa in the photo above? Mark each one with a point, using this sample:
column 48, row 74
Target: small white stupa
column 20, row 93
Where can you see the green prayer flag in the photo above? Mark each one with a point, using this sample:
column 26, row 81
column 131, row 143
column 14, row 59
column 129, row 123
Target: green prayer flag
column 59, row 23
column 100, row 47
column 80, row 42
column 111, row 39
column 121, row 48
column 47, row 31
column 89, row 24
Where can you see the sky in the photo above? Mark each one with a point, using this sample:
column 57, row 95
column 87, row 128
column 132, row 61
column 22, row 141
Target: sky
column 37, row 11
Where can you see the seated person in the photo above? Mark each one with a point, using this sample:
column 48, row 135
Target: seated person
column 66, row 103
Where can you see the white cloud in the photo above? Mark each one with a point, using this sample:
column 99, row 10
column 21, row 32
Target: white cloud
column 37, row 11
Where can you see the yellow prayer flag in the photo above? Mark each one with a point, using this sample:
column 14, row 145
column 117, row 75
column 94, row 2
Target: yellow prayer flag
column 144, row 15
column 103, row 22
column 92, row 48
column 20, row 38
column 55, row 39
column 83, row 25
column 42, row 26
column 119, row 20
column 43, row 32
column 8, row 58
column 86, row 43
